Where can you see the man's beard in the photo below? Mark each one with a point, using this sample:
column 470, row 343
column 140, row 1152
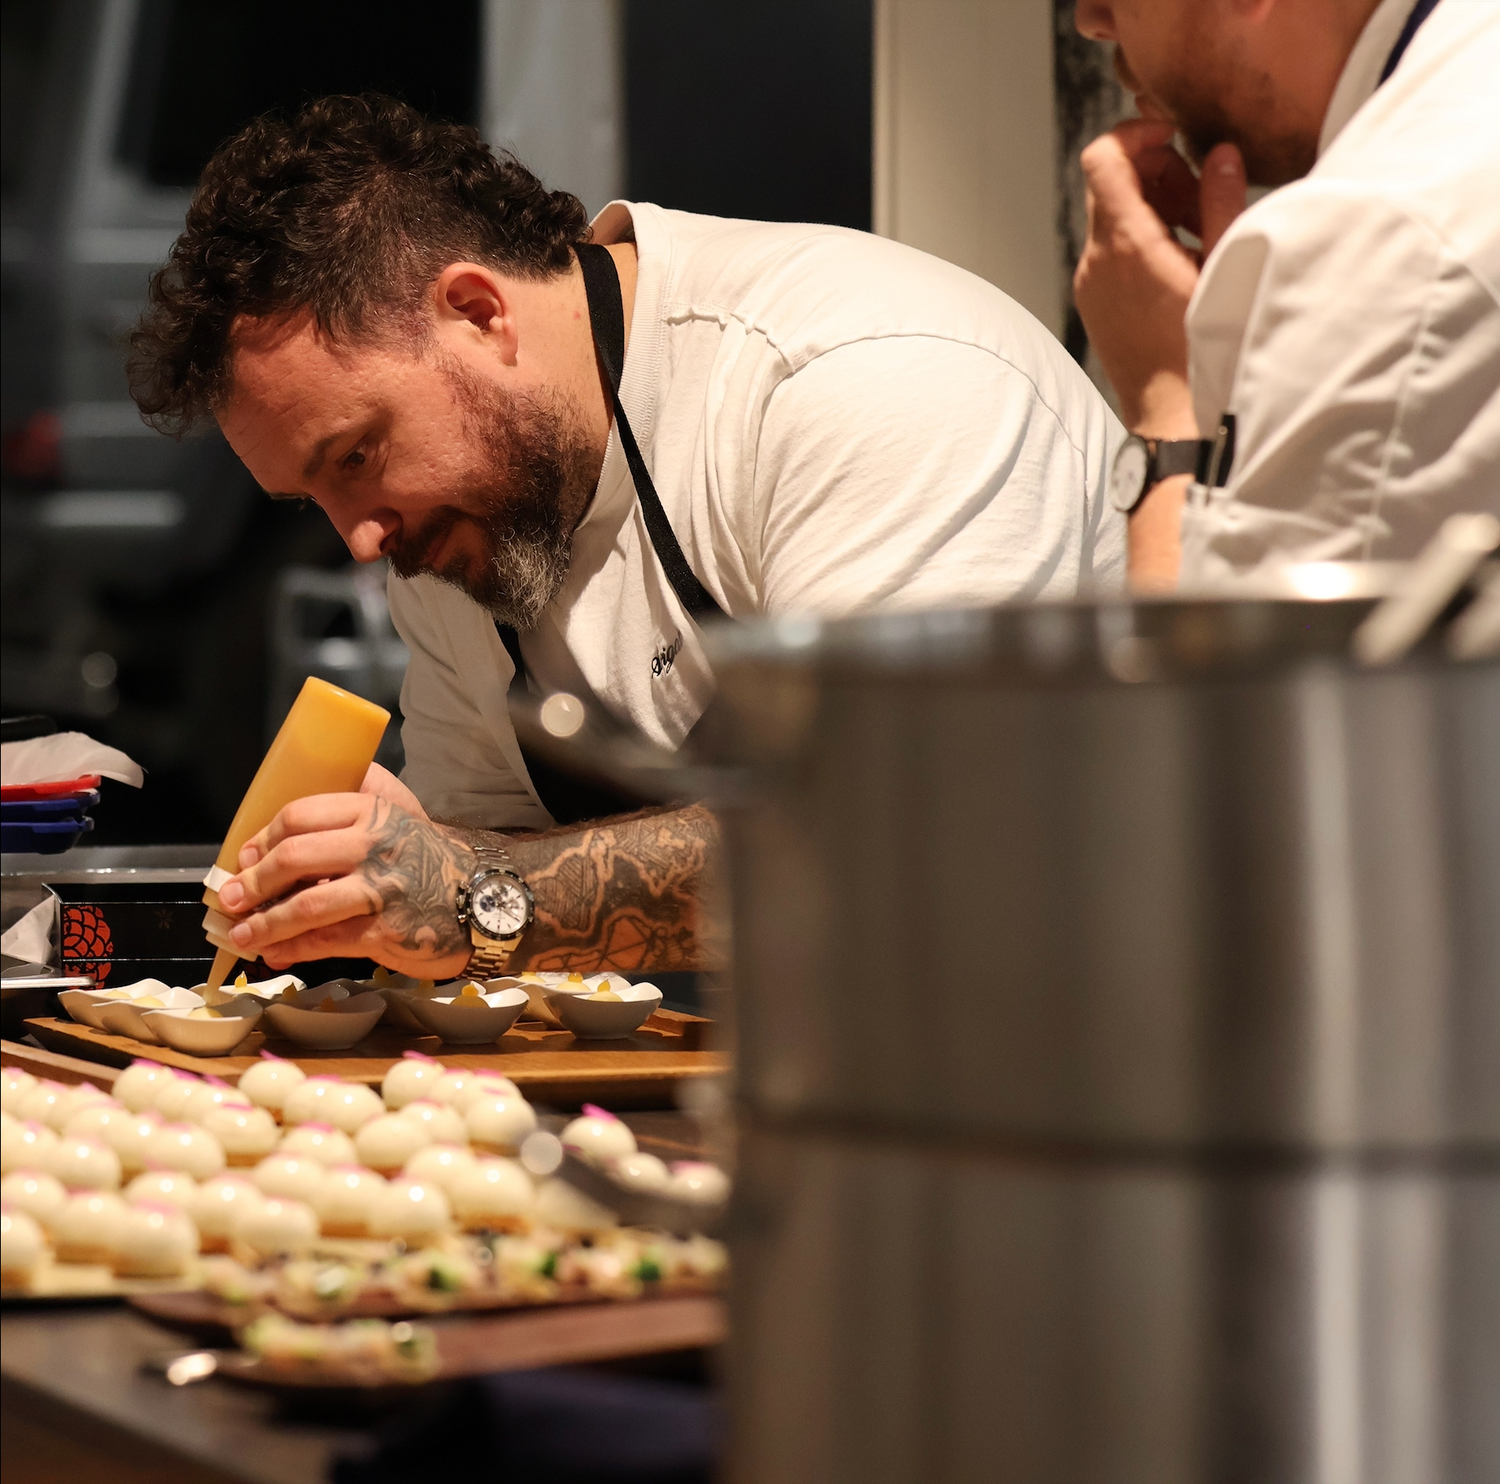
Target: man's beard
column 524, row 498
column 1209, row 112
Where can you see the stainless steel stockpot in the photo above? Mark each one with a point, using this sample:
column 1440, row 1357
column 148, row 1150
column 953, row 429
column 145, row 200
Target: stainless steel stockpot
column 1118, row 1023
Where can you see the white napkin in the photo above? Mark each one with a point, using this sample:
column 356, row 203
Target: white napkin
column 30, row 938
column 62, row 756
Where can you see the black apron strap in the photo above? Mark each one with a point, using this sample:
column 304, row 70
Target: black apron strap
column 607, row 315
column 567, row 799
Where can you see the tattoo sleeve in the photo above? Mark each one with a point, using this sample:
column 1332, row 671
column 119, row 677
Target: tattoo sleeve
column 412, row 872
column 635, row 893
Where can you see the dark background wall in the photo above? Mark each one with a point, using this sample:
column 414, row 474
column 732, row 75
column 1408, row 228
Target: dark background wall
column 759, row 110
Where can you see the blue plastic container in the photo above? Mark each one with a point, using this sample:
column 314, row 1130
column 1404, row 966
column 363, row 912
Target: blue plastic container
column 44, row 837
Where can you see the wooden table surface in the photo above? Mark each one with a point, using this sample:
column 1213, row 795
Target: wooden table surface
column 76, row 1404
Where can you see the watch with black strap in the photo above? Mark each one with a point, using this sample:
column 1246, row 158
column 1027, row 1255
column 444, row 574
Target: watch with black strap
column 496, row 906
column 1142, row 463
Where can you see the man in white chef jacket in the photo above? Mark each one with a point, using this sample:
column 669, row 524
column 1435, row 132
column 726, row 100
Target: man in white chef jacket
column 1341, row 346
column 388, row 319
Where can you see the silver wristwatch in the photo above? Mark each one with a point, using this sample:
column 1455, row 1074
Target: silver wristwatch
column 496, row 906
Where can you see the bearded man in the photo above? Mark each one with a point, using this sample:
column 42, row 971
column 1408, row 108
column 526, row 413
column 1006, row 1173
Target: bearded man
column 576, row 444
column 1332, row 376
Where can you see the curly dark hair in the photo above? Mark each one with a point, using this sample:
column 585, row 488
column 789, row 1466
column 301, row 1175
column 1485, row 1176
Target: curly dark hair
column 348, row 210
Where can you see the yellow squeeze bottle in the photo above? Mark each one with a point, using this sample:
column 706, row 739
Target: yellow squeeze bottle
column 325, row 746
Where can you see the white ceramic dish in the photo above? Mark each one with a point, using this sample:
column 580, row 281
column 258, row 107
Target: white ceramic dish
column 311, row 996
column 216, row 1037
column 468, row 1022
column 262, row 990
column 605, row 1020
column 539, row 988
column 86, row 1005
column 399, row 1010
column 327, row 1030
column 128, row 1017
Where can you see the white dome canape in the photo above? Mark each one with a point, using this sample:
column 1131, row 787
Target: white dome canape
column 640, row 1171
column 246, row 1134
column 130, row 1138
column 598, row 1136
column 87, row 1226
column 347, row 1201
column 276, row 1226
column 386, row 1143
column 155, row 1241
column 22, row 1248
column 43, row 1102
column 353, row 1106
column 453, row 1082
column 210, row 1094
column 493, row 1194
column 217, row 1206
column 483, row 1085
column 289, row 1177
column 439, row 1164
column 138, row 1085
column 163, row 1187
column 319, row 1141
column 14, row 1084
column 443, row 1125
column 78, row 1097
column 21, row 1145
column 412, row 1210
column 175, row 1096
column 40, row 1195
column 700, row 1182
column 410, row 1078
column 83, row 1164
column 270, row 1080
column 94, row 1119
column 499, row 1125
column 304, row 1103
column 186, row 1147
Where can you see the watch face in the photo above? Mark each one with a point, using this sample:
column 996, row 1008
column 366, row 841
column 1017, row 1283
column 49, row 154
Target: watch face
column 501, row 906
column 1127, row 478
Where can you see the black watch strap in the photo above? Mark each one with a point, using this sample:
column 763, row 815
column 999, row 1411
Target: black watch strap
column 1171, row 456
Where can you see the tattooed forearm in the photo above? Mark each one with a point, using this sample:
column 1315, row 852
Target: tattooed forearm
column 636, row 893
column 412, row 873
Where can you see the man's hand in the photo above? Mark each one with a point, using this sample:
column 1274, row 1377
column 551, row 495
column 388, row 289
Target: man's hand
column 1132, row 288
column 363, row 875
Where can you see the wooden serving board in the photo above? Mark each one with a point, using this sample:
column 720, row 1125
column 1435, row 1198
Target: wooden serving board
column 548, row 1065
column 573, row 1334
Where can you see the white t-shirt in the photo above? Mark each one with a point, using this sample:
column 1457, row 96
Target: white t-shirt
column 1351, row 321
column 833, row 422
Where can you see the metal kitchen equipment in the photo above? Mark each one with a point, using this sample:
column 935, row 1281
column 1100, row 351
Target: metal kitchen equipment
column 1118, row 1014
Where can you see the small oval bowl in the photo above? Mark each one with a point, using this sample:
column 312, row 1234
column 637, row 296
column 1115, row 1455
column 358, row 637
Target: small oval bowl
column 606, row 1020
column 467, row 1024
column 327, row 1030
column 86, row 1006
column 398, row 1009
column 216, row 1037
column 128, row 1018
